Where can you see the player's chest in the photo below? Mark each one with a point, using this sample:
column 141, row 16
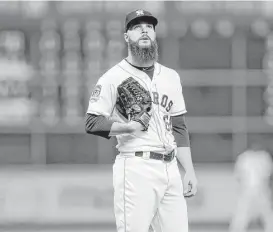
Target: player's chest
column 161, row 90
column 162, row 94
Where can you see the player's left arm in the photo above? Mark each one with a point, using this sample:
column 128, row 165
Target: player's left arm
column 181, row 135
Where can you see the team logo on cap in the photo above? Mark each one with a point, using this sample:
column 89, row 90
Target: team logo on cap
column 139, row 12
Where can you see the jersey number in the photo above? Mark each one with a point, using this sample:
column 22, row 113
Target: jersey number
column 168, row 123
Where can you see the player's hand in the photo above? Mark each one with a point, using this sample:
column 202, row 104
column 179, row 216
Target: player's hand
column 135, row 126
column 190, row 184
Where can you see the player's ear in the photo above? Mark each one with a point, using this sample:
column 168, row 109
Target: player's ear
column 126, row 37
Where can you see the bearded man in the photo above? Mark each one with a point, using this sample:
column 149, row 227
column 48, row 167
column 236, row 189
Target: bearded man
column 141, row 103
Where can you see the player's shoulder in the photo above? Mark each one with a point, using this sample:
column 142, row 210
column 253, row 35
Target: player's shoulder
column 164, row 70
column 264, row 154
column 113, row 74
column 243, row 156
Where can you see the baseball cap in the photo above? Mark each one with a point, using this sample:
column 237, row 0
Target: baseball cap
column 136, row 15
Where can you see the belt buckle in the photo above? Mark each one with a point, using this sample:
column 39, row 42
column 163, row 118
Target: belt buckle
column 165, row 156
column 168, row 157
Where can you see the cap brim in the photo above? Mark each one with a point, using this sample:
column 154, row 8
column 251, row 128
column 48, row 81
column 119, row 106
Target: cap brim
column 148, row 18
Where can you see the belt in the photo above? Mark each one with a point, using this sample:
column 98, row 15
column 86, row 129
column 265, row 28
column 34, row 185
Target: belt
column 157, row 156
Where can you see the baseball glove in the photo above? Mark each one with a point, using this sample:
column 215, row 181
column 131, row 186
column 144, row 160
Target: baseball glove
column 134, row 102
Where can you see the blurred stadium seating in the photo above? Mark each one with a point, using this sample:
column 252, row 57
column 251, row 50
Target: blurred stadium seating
column 223, row 53
column 52, row 54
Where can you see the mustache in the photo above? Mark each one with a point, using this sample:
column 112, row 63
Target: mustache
column 145, row 37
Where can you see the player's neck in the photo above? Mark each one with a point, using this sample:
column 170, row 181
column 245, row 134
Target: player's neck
column 137, row 63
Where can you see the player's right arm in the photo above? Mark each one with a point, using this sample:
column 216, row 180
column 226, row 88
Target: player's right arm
column 101, row 104
column 101, row 126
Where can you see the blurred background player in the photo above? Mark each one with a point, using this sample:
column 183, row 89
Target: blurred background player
column 253, row 172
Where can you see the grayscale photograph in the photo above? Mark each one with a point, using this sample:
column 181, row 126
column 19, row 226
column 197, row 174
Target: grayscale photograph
column 136, row 116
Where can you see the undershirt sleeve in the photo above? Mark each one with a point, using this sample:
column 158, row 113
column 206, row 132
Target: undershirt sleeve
column 98, row 125
column 180, row 131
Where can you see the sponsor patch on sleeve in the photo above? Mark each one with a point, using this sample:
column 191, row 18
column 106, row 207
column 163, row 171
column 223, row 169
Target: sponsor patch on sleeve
column 95, row 93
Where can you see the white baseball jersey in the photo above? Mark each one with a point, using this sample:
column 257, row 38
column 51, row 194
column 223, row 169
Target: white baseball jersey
column 166, row 92
column 254, row 198
column 254, row 169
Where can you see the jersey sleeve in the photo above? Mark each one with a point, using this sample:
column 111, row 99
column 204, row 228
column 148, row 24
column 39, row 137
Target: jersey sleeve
column 179, row 106
column 102, row 99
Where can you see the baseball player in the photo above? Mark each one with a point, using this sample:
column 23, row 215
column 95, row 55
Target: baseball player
column 253, row 169
column 141, row 103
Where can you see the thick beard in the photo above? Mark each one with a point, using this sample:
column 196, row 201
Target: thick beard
column 144, row 54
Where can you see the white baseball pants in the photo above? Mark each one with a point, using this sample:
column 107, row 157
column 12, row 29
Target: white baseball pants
column 148, row 193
